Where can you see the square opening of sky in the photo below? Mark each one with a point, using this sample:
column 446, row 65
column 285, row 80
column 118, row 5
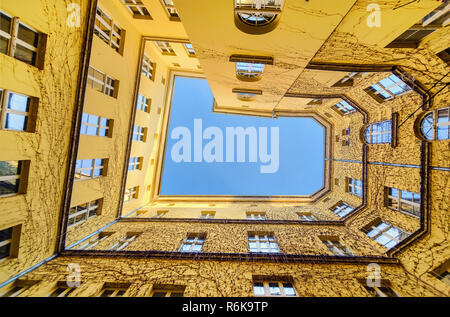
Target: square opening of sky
column 301, row 151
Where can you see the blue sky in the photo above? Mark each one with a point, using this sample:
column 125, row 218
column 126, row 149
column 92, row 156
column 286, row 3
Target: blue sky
column 301, row 151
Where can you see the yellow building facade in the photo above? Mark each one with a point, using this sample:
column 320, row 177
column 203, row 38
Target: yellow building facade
column 91, row 83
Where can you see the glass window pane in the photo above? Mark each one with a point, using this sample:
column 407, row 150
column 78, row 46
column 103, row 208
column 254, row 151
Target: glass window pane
column 258, row 289
column 25, row 55
column 274, row 289
column 18, row 102
column 15, row 122
column 27, row 35
column 9, row 187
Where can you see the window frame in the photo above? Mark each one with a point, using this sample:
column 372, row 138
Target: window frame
column 306, row 216
column 258, row 238
column 103, row 169
column 377, row 94
column 171, row 10
column 341, row 107
column 191, row 241
column 189, row 51
column 382, row 232
column 434, row 124
column 131, row 194
column 30, row 115
column 255, row 215
column 165, row 48
column 416, row 207
column 140, row 135
column 148, row 67
column 140, row 7
column 94, row 205
column 13, row 40
column 98, row 126
column 21, row 177
column 124, row 241
column 109, row 85
column 135, row 162
column 111, row 26
column 280, row 285
column 335, row 246
column 353, row 185
column 340, row 207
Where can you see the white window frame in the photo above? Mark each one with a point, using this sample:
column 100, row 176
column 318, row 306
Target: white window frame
column 164, row 47
column 147, row 67
column 434, row 125
column 189, row 50
column 207, row 215
column 116, row 291
column 249, row 70
column 138, row 5
column 110, row 26
column 379, row 291
column 98, row 126
column 7, row 242
column 123, row 242
column 280, row 285
column 370, row 134
column 86, row 212
column 135, row 163
column 355, row 185
column 260, row 239
column 5, row 110
column 167, row 292
column 343, row 107
column 379, row 93
column 341, row 208
column 107, row 84
column 14, row 40
column 139, row 136
column 400, row 202
column 160, row 213
column 170, row 8
column 93, row 241
column 66, row 292
column 145, row 105
column 191, row 241
column 336, row 247
column 256, row 215
column 306, row 216
column 91, row 169
column 130, row 194
column 383, row 232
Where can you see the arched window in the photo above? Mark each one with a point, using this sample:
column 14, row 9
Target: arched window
column 257, row 16
column 435, row 125
column 246, row 94
column 380, row 132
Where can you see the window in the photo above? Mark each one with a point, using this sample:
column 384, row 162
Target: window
column 349, row 80
column 108, row 31
column 135, row 163
column 257, row 16
column 388, row 88
column 94, row 241
column 343, row 107
column 335, row 246
column 345, row 143
column 5, row 243
column 160, row 213
column 113, row 290
column 315, row 102
column 168, row 291
column 91, row 168
column 148, row 68
column 305, row 216
column 137, row 9
column 346, row 131
column 102, row 82
column 384, row 290
column 442, row 273
column 165, row 48
column 385, row 234
column 193, row 242
column 403, row 200
column 249, row 71
column 143, row 103
column 262, row 243
column 95, row 125
column 124, row 242
column 445, row 55
column 171, row 10
column 83, row 212
column 139, row 133
column 254, row 215
column 130, row 194
column 436, row 124
column 61, row 290
column 21, row 41
column 246, row 94
column 412, row 37
column 17, row 288
column 378, row 133
column 342, row 209
column 207, row 215
column 17, row 111
column 13, row 177
column 354, row 186
column 189, row 49
column 273, row 288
